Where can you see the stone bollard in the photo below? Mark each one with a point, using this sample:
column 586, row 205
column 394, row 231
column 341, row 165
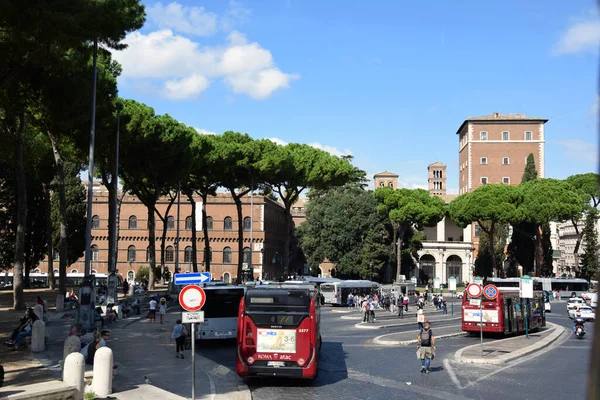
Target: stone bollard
column 103, row 370
column 38, row 337
column 38, row 310
column 74, row 373
column 72, row 345
column 60, row 303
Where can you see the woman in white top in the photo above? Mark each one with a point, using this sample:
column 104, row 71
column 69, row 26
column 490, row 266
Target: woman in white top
column 162, row 309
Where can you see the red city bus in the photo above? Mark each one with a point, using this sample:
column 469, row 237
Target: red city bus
column 278, row 331
column 505, row 314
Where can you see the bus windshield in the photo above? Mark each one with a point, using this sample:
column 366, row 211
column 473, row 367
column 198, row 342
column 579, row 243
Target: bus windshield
column 278, row 301
column 222, row 303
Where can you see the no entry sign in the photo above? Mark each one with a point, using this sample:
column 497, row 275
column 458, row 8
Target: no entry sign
column 192, row 298
column 474, row 290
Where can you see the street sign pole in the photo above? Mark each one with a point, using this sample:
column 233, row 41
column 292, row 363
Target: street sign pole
column 193, row 361
column 526, row 292
column 453, row 294
column 481, row 323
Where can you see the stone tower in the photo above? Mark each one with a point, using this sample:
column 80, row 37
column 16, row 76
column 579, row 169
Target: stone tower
column 436, row 179
column 384, row 179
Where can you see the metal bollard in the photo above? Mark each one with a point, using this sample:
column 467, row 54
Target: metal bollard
column 38, row 337
column 74, row 374
column 103, row 369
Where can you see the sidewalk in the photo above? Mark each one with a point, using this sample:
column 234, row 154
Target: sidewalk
column 505, row 350
column 143, row 350
column 383, row 319
column 410, row 337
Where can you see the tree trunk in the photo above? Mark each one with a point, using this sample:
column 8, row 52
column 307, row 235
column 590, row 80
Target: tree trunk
column 60, row 182
column 240, row 223
column 394, row 250
column 49, row 237
column 26, row 281
column 287, row 224
column 151, row 245
column 207, row 253
column 491, row 247
column 119, row 203
column 538, row 250
column 163, row 238
column 18, row 299
column 194, row 236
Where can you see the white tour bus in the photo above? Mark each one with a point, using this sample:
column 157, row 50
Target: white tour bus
column 566, row 287
column 336, row 293
column 220, row 311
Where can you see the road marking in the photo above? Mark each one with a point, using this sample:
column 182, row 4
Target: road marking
column 384, row 382
column 454, row 379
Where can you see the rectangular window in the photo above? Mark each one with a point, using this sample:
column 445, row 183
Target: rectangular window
column 477, row 229
column 506, row 180
column 505, row 135
column 528, row 135
column 483, row 160
column 483, row 135
column 484, row 180
column 505, row 161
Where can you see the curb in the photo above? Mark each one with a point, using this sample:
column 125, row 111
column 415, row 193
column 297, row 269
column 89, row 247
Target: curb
column 377, row 340
column 366, row 326
column 551, row 338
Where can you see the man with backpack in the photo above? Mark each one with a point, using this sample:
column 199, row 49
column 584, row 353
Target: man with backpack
column 426, row 347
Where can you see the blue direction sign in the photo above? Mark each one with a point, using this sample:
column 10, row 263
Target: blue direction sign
column 192, row 278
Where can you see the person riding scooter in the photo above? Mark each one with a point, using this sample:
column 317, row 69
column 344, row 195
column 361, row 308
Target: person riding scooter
column 579, row 324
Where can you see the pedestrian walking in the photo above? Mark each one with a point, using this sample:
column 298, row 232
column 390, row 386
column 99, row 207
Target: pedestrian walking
column 179, row 334
column 350, row 301
column 401, row 308
column 426, row 347
column 406, row 303
column 162, row 309
column 152, row 311
column 435, row 302
column 125, row 288
column 420, row 318
column 445, row 307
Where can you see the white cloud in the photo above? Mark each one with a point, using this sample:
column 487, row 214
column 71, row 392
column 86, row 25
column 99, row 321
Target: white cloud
column 205, row 131
column 185, row 88
column 190, row 20
column 236, row 14
column 176, row 61
column 580, row 37
column 331, row 150
column 580, row 150
column 334, row 151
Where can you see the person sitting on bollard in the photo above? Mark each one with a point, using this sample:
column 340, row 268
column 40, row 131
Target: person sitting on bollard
column 98, row 317
column 111, row 313
column 23, row 330
column 90, row 349
column 124, row 309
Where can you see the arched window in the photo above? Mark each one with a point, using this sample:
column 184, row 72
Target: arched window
column 95, row 222
column 133, row 222
column 247, row 223
column 94, row 272
column 130, row 276
column 390, row 184
column 227, row 255
column 74, row 271
column 169, row 254
column 228, row 224
column 170, row 223
column 381, row 184
column 148, row 253
column 209, row 223
column 227, row 277
column 55, row 272
column 131, row 254
column 94, row 252
column 36, row 271
column 246, row 255
column 188, row 224
column 187, row 255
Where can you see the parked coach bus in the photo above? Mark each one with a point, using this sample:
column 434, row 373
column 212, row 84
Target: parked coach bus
column 278, row 331
column 336, row 293
column 220, row 311
column 506, row 314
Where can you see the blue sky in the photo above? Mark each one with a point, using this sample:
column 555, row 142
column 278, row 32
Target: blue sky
column 388, row 81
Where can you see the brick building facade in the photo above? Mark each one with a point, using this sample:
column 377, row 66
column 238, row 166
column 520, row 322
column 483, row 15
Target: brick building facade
column 267, row 236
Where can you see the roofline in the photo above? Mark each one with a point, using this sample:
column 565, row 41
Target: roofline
column 483, row 121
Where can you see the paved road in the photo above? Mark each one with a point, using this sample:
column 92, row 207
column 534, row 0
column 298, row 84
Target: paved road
column 353, row 367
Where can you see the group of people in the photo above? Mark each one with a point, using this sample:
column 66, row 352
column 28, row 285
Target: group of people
column 22, row 331
column 161, row 303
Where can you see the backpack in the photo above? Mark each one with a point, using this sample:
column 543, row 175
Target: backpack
column 426, row 338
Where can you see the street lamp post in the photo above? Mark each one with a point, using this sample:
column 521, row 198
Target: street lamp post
column 177, row 235
column 112, row 267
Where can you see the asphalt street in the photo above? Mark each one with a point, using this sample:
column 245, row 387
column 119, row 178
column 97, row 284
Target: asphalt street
column 352, row 366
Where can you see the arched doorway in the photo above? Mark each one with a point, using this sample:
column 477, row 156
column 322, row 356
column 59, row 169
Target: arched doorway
column 454, row 267
column 227, row 277
column 427, row 268
column 130, row 276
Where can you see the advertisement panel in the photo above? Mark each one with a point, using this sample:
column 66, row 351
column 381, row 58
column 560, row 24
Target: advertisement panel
column 490, row 316
column 276, row 341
